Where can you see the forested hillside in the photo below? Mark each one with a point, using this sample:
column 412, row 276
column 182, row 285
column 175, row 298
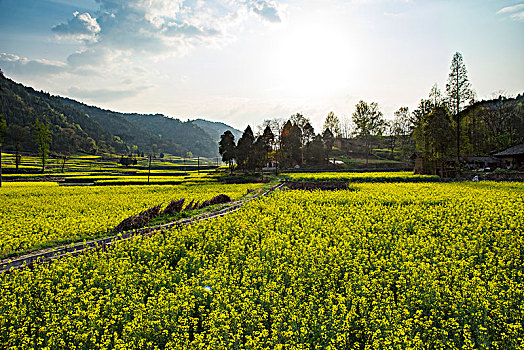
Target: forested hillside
column 72, row 129
column 77, row 127
column 216, row 129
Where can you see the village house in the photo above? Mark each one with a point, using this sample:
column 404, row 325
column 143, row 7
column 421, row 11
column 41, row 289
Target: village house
column 513, row 157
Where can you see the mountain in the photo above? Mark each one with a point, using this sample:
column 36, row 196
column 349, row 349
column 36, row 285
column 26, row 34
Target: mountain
column 72, row 129
column 152, row 132
column 216, row 129
column 77, row 127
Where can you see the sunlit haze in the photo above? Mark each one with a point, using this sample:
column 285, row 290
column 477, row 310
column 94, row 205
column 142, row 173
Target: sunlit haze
column 243, row 61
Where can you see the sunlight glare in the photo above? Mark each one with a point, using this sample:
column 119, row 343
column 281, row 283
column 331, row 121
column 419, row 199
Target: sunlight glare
column 314, row 58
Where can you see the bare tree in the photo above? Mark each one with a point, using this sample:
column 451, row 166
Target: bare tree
column 333, row 124
column 346, row 127
column 276, row 125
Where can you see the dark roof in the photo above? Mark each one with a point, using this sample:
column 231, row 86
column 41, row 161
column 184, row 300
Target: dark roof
column 481, row 159
column 512, row 151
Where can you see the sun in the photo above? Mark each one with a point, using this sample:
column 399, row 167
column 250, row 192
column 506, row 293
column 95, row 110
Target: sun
column 314, row 58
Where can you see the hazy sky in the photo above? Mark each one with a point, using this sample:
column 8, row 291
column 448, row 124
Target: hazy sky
column 243, row 61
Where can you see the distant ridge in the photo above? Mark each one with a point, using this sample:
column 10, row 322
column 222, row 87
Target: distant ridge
column 216, row 129
column 78, row 127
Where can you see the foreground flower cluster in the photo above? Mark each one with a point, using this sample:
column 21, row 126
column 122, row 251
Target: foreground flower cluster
column 36, row 215
column 393, row 266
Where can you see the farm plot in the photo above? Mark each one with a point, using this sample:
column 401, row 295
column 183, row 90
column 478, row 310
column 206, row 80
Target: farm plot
column 397, row 266
column 35, row 215
column 394, row 176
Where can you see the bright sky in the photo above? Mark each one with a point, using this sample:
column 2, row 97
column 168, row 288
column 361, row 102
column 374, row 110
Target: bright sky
column 243, row 61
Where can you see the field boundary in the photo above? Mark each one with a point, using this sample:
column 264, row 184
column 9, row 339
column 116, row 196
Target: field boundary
column 103, row 243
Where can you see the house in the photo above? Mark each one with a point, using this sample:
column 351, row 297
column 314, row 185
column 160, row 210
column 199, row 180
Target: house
column 443, row 167
column 481, row 162
column 513, row 157
column 419, row 163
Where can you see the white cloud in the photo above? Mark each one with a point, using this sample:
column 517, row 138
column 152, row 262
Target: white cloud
column 267, row 10
column 519, row 16
column 81, row 27
column 122, row 36
column 104, row 95
column 25, row 66
column 515, row 12
column 510, row 9
column 159, row 27
column 89, row 57
column 393, row 14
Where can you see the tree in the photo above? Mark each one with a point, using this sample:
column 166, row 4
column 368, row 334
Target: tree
column 299, row 120
column 308, row 133
column 332, row 123
column 393, row 131
column 276, row 125
column 315, row 151
column 3, row 131
column 368, row 122
column 244, row 149
column 400, row 128
column 296, row 138
column 290, row 144
column 18, row 136
column 226, row 148
column 403, row 121
column 329, row 139
column 458, row 90
column 346, row 127
column 305, row 130
column 425, row 107
column 435, row 96
column 42, row 136
column 134, row 150
column 439, row 131
column 263, row 146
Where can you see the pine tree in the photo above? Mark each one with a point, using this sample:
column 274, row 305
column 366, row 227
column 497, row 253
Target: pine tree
column 263, row 146
column 226, row 148
column 458, row 90
column 244, row 148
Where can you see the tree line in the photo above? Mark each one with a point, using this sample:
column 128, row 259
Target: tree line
column 18, row 135
column 444, row 126
column 285, row 144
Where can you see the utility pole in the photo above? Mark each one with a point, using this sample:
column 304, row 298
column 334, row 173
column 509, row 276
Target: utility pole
column 198, row 165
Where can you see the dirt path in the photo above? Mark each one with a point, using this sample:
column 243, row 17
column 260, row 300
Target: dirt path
column 49, row 254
